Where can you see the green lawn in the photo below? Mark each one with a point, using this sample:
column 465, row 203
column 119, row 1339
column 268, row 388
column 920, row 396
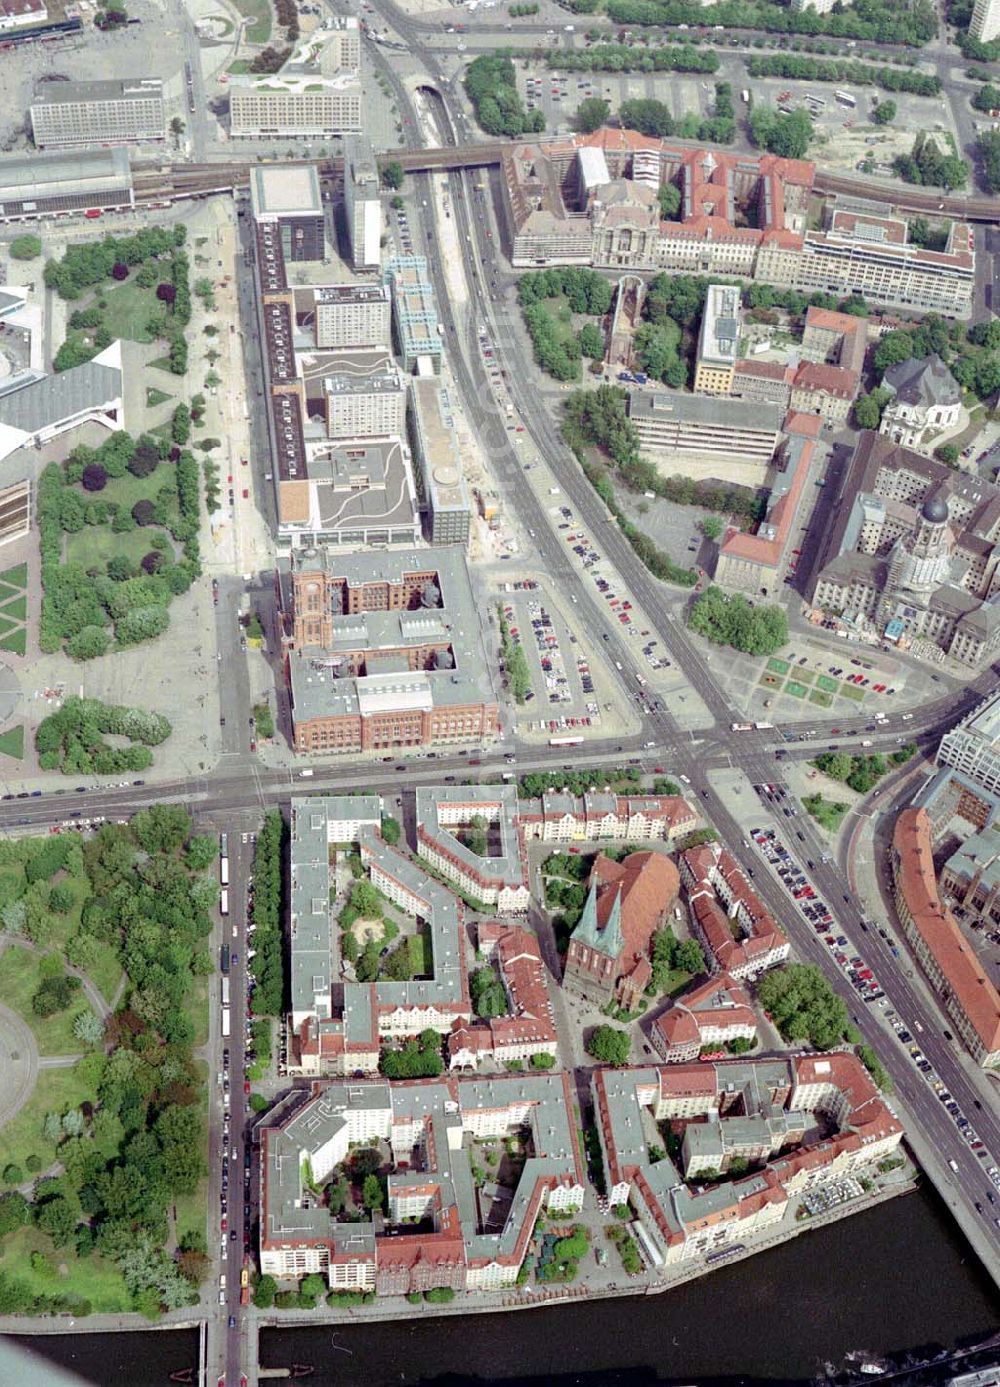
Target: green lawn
column 852, row 691
column 19, row 980
column 827, row 813
column 191, row 1212
column 260, row 12
column 12, row 742
column 17, row 609
column 96, row 544
column 126, row 490
column 156, row 397
column 805, row 676
column 7, row 592
column 6, row 625
column 128, row 308
column 421, row 958
column 55, row 1091
column 677, row 981
column 17, row 641
column 795, row 689
column 823, row 700
column 777, row 666
column 162, row 363
column 16, row 577
column 827, row 684
column 196, row 1006
column 239, row 68
column 90, row 1278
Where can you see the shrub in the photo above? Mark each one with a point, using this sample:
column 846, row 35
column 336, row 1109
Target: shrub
column 144, row 512
column 94, row 477
column 152, row 562
column 25, row 248
column 119, row 271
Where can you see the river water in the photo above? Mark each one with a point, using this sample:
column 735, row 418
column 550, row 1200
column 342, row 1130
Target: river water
column 892, row 1279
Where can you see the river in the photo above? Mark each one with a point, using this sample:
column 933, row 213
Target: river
column 892, row 1279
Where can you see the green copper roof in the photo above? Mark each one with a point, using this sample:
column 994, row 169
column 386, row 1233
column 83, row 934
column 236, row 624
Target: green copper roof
column 607, row 940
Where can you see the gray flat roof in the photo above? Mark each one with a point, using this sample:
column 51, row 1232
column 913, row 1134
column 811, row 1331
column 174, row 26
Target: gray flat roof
column 704, row 409
column 22, row 175
column 285, row 190
column 54, row 398
column 124, row 89
column 364, row 482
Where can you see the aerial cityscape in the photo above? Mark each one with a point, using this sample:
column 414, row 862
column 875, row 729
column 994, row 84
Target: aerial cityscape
column 499, row 700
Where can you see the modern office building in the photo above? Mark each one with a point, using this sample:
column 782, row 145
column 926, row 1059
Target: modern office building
column 973, row 747
column 60, row 185
column 316, row 93
column 385, row 651
column 287, row 197
column 352, row 316
column 912, row 552
column 985, row 22
column 438, row 463
column 682, row 426
column 364, row 395
column 353, row 494
column 759, row 1111
column 718, row 341
column 950, row 962
column 104, row 112
column 362, row 204
column 414, row 314
column 433, row 1232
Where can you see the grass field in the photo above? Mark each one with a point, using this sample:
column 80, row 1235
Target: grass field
column 827, row 684
column 777, row 666
column 17, row 641
column 128, row 309
column 260, row 12
column 421, row 958
column 827, row 813
column 6, row 625
column 15, row 577
column 90, row 1278
column 156, row 397
column 97, row 543
column 12, row 742
column 196, row 1006
column 805, row 676
column 795, row 689
column 852, row 691
column 16, row 608
column 19, row 980
column 162, row 363
column 55, row 1091
column 126, row 490
column 821, row 699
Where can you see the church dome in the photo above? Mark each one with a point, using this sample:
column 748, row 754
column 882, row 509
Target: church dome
column 935, row 510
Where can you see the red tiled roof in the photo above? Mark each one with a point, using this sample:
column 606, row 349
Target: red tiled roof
column 647, row 883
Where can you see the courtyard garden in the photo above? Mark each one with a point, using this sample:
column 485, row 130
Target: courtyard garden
column 14, row 609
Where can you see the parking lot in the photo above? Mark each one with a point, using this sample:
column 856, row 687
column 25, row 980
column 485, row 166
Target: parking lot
column 563, row 692
column 558, row 94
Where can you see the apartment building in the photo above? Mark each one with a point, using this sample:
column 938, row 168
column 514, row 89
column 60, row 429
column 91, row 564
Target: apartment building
column 428, row 1128
column 764, row 1108
column 363, row 207
column 558, row 817
column 706, row 1018
column 316, row 93
column 18, row 14
column 740, row 935
column 384, row 651
column 352, row 316
column 64, row 114
column 985, row 22
column 529, row 1028
column 718, row 341
column 951, row 965
column 692, row 425
column 364, row 394
column 444, row 817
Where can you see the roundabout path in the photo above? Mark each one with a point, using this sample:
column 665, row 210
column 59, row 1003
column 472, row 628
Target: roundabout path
column 18, row 1064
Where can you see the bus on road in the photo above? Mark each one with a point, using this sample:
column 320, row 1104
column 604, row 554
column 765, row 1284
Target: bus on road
column 223, row 902
column 225, row 1023
column 224, row 870
column 845, row 99
column 565, row 741
column 225, row 990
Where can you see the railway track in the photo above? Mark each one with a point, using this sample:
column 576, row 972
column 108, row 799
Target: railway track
column 192, row 180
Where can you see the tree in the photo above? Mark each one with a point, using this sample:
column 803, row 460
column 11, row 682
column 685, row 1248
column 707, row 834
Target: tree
column 868, row 408
column 592, row 341
column 391, row 831
column 884, row 113
column 947, row 453
column 803, row 1005
column 731, row 620
column 167, row 293
column 144, row 512
column 669, row 198
column 372, row 1195
column 180, row 424
column 786, row 135
column 712, row 527
column 609, row 1045
column 264, row 1292
column 487, row 993
column 591, row 114
column 54, row 994
column 26, row 247
column 88, row 1028
column 177, row 126
column 119, row 271
column 146, row 457
column 393, row 175
column 690, row 956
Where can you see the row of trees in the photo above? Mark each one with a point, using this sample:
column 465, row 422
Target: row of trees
column 491, row 86
column 515, row 662
column 137, row 1144
column 621, row 57
column 730, row 620
column 988, row 147
column 268, row 966
column 797, row 66
column 72, row 739
column 878, row 20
